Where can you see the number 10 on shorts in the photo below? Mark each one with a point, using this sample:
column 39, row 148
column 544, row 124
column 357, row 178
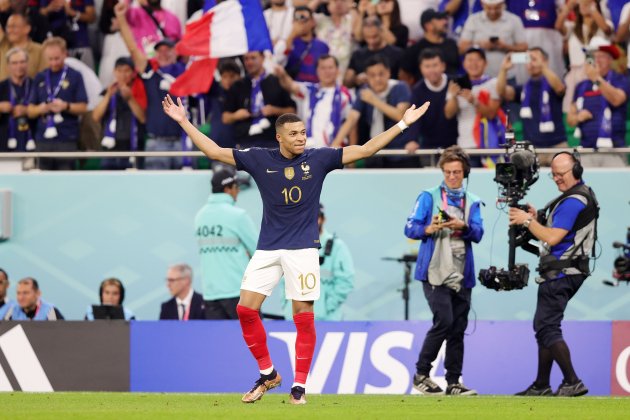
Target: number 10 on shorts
column 308, row 281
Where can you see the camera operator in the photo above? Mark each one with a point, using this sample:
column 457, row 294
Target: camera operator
column 567, row 238
column 447, row 220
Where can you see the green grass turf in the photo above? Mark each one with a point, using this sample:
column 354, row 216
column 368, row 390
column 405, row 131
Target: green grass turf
column 275, row 405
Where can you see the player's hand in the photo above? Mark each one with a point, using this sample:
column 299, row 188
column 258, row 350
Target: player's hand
column 412, row 114
column 176, row 112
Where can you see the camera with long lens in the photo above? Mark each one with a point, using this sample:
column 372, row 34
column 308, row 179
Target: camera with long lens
column 621, row 271
column 514, row 178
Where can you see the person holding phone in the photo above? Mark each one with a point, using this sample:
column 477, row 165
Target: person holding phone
column 447, row 220
column 540, row 100
column 496, row 31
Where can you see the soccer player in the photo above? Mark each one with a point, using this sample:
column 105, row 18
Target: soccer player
column 290, row 182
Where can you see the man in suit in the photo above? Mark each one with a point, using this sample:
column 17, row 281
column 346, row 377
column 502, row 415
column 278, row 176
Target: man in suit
column 186, row 304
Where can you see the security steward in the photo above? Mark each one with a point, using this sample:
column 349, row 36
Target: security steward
column 567, row 231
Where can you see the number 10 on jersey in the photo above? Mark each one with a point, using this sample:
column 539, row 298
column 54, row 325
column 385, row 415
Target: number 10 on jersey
column 293, row 195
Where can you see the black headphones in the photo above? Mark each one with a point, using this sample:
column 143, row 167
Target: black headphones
column 577, row 170
column 118, row 283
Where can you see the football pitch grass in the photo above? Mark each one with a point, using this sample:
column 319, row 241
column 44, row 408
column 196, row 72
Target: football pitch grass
column 274, row 405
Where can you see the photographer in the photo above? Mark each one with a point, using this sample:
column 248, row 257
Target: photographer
column 567, row 238
column 447, row 220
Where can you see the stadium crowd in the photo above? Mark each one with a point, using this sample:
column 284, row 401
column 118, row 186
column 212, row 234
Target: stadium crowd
column 90, row 75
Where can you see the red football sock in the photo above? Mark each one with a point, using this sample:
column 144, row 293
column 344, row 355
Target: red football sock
column 304, row 344
column 255, row 336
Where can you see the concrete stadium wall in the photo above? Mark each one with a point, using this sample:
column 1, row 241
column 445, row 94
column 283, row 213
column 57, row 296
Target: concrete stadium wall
column 73, row 230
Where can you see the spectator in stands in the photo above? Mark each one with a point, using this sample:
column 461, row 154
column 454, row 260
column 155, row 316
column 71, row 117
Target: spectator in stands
column 378, row 106
column 158, row 74
column 623, row 31
column 323, row 106
column 227, row 240
column 113, row 46
column 301, row 50
column 435, row 25
column 230, row 72
column 480, row 121
column 541, row 102
column 111, row 292
column 6, row 303
column 150, row 23
column 436, row 131
column 394, row 32
column 57, row 100
column 279, row 18
column 30, row 8
column 16, row 35
column 589, row 23
column 496, row 31
column 599, row 106
column 69, row 20
column 15, row 128
column 459, row 11
column 121, row 113
column 254, row 103
column 30, row 304
column 336, row 29
column 186, row 304
column 539, row 19
column 375, row 45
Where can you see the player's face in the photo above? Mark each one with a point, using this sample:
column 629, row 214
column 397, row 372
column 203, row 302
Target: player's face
column 292, row 138
column 27, row 296
column 55, row 57
column 110, row 295
column 432, row 70
column 453, row 174
column 327, row 72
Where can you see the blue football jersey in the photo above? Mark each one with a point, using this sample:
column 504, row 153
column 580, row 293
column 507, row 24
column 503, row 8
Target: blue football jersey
column 290, row 190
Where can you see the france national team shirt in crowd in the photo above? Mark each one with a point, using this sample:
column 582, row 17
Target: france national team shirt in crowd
column 144, row 31
column 157, row 81
column 542, row 124
column 49, row 85
column 302, row 61
column 290, row 190
column 77, row 32
column 323, row 110
column 607, row 128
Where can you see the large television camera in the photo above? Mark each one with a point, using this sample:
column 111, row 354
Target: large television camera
column 513, row 178
column 621, row 271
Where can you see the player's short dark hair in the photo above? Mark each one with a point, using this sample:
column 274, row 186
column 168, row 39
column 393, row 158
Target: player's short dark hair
column 377, row 59
column 430, row 54
column 327, row 57
column 286, row 119
column 31, row 281
column 228, row 65
column 541, row 51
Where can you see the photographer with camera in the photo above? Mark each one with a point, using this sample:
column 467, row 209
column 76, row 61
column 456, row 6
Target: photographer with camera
column 567, row 230
column 447, row 219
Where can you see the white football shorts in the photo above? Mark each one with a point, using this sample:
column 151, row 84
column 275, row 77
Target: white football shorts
column 300, row 268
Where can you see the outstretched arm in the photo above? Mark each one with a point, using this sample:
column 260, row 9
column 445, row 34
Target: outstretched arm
column 178, row 113
column 354, row 153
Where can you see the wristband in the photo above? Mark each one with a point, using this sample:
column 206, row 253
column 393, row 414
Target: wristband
column 401, row 124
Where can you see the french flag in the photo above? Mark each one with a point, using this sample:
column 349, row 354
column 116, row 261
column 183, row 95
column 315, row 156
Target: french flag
column 232, row 27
